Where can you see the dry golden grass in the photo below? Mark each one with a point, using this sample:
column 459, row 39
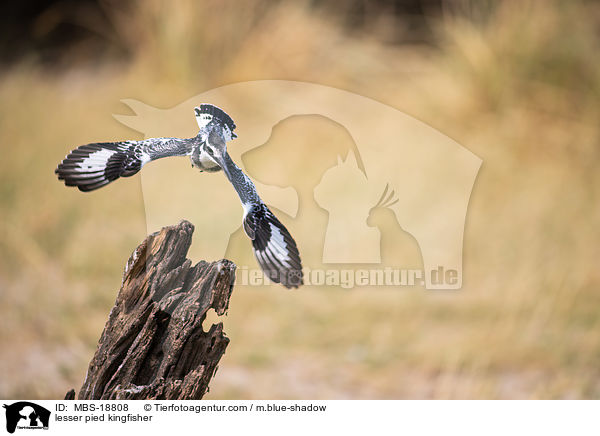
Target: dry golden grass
column 518, row 85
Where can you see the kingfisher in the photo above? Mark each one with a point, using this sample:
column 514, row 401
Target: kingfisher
column 94, row 165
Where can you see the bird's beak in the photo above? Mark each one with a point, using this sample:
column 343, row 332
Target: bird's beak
column 216, row 138
column 220, row 158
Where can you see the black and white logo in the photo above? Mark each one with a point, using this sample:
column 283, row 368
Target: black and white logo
column 26, row 415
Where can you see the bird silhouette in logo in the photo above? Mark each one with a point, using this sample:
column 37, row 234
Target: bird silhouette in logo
column 94, row 165
column 398, row 247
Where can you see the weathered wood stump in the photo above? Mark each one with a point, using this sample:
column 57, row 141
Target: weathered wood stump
column 153, row 345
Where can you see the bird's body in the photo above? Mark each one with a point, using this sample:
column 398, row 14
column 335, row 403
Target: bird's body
column 92, row 166
column 202, row 160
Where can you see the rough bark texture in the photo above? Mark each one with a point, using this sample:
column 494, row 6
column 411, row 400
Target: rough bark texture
column 153, row 345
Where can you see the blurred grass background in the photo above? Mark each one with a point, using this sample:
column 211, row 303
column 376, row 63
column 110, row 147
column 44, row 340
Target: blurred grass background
column 516, row 82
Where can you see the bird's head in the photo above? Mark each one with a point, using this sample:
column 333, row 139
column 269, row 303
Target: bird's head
column 215, row 143
column 210, row 117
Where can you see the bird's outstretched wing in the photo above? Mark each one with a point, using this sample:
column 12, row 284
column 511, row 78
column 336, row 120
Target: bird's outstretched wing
column 92, row 166
column 274, row 248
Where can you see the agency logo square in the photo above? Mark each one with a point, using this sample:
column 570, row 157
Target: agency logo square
column 25, row 415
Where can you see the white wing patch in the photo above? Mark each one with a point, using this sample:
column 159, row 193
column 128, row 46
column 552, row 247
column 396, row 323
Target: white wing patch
column 277, row 245
column 247, row 208
column 96, row 161
column 145, row 158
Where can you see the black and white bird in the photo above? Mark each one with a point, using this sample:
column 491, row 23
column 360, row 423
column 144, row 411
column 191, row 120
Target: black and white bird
column 94, row 165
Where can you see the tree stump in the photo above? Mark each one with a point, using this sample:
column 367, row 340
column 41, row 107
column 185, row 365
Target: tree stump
column 153, row 345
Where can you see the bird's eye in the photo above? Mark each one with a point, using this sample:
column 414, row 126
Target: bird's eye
column 210, row 150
